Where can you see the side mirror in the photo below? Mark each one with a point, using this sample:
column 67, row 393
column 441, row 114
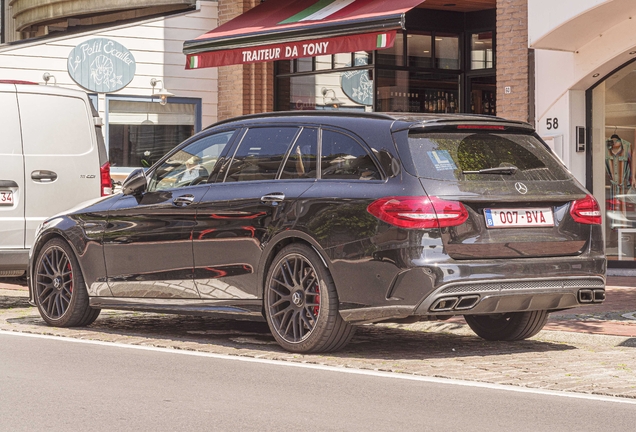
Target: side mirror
column 135, row 183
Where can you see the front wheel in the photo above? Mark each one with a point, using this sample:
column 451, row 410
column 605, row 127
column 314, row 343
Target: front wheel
column 509, row 326
column 59, row 288
column 301, row 303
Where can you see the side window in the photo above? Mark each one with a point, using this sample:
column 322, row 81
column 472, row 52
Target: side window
column 261, row 153
column 301, row 162
column 344, row 158
column 192, row 164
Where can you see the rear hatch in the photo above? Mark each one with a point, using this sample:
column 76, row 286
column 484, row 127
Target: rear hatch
column 518, row 195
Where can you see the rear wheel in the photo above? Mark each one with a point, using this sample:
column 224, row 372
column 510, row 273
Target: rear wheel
column 60, row 291
column 301, row 303
column 509, row 326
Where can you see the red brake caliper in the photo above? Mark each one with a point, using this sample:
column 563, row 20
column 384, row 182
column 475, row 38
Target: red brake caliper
column 68, row 267
column 317, row 299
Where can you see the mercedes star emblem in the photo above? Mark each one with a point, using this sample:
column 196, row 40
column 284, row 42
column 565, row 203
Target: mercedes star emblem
column 521, row 188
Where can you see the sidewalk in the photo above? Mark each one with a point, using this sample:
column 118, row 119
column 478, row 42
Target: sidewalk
column 606, row 318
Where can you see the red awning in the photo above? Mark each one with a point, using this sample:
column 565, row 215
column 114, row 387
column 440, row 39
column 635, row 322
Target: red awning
column 288, row 29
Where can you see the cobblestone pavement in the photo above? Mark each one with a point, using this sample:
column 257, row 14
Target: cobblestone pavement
column 573, row 360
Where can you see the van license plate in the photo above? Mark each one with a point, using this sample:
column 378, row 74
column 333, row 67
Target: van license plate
column 6, row 197
column 531, row 217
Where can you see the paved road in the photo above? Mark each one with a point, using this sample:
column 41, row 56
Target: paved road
column 575, row 362
column 52, row 384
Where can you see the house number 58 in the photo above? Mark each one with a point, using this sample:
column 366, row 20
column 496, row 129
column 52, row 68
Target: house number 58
column 553, row 123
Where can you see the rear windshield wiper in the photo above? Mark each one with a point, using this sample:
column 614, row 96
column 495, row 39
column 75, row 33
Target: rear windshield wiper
column 497, row 170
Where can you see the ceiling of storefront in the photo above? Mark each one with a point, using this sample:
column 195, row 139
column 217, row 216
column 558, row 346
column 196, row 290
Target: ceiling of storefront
column 620, row 98
column 459, row 5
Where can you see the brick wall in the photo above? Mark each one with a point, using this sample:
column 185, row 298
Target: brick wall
column 512, row 59
column 243, row 89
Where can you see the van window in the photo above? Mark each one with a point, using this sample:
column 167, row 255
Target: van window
column 260, row 153
column 55, row 125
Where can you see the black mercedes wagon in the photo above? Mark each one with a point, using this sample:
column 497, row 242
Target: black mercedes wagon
column 318, row 222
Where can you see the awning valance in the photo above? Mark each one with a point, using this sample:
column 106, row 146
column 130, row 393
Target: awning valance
column 288, row 29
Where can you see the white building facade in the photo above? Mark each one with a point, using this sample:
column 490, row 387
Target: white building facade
column 138, row 129
column 585, row 94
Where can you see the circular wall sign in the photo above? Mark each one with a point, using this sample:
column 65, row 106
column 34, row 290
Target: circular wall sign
column 101, row 65
column 357, row 85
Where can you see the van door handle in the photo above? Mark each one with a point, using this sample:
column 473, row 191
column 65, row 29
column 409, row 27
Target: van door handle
column 8, row 183
column 43, row 176
column 273, row 198
column 183, row 200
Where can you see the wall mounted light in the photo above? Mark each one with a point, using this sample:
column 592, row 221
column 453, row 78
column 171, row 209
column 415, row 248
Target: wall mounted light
column 332, row 100
column 47, row 76
column 163, row 93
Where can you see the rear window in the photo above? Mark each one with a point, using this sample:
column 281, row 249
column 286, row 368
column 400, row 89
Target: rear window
column 450, row 156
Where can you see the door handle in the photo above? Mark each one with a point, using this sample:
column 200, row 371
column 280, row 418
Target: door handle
column 183, row 200
column 43, row 176
column 273, row 198
column 8, row 183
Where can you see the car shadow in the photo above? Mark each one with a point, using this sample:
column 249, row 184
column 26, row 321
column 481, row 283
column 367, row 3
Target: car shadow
column 378, row 342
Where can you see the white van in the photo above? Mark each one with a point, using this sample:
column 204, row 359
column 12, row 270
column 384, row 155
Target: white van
column 52, row 157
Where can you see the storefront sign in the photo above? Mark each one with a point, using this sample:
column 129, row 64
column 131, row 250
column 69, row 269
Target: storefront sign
column 357, row 85
column 292, row 50
column 101, row 65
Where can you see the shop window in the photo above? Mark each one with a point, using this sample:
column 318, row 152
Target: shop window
column 323, row 62
column 481, row 51
column 446, row 51
column 406, row 91
column 352, row 90
column 342, row 60
column 419, row 50
column 260, row 154
column 140, row 132
column 344, row 158
column 304, row 64
column 393, row 56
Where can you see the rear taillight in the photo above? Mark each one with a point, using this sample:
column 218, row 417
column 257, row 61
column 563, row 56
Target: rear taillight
column 106, row 185
column 418, row 212
column 586, row 211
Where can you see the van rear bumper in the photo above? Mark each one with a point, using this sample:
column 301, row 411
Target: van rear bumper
column 13, row 260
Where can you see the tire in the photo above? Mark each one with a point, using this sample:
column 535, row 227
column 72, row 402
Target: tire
column 60, row 291
column 301, row 303
column 507, row 327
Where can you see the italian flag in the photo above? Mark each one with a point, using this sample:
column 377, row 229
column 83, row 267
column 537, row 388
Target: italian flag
column 194, row 62
column 318, row 11
column 382, row 41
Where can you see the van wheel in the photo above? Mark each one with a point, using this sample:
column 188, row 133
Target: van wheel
column 60, row 291
column 509, row 326
column 301, row 303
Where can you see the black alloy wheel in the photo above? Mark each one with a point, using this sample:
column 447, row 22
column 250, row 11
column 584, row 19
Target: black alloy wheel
column 60, row 292
column 301, row 303
column 511, row 326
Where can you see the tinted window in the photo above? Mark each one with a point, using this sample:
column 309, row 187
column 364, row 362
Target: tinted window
column 344, row 158
column 261, row 153
column 446, row 156
column 191, row 165
column 301, row 162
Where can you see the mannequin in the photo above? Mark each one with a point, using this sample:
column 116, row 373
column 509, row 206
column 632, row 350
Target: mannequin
column 618, row 161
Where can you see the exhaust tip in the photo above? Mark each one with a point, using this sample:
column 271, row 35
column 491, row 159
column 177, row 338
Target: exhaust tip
column 467, row 302
column 445, row 304
column 599, row 295
column 586, row 296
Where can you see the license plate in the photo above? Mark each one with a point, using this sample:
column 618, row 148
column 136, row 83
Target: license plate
column 531, row 217
column 6, row 197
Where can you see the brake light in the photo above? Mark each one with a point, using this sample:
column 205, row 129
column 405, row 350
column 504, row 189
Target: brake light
column 486, row 127
column 418, row 212
column 106, row 185
column 586, row 211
